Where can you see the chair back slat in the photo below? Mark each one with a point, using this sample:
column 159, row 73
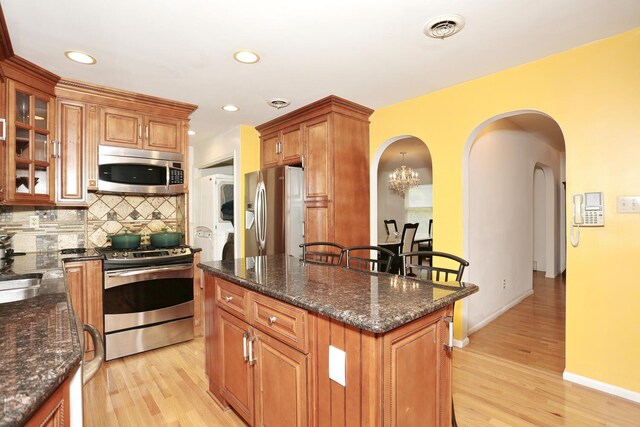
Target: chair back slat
column 369, row 258
column 433, row 270
column 322, row 252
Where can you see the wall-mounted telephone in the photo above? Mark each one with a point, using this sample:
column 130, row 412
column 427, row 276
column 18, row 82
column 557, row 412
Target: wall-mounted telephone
column 588, row 211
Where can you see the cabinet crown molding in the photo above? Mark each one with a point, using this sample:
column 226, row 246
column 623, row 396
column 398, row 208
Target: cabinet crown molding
column 124, row 95
column 325, row 105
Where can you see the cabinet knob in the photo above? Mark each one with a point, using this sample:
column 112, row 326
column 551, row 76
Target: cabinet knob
column 272, row 320
column 227, row 299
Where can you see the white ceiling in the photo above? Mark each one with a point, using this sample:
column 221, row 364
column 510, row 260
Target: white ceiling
column 370, row 52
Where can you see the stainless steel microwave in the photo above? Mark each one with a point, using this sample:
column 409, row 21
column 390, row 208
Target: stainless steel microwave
column 130, row 170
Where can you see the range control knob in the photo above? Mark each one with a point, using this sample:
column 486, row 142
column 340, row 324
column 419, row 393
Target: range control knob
column 115, row 255
column 125, row 254
column 183, row 250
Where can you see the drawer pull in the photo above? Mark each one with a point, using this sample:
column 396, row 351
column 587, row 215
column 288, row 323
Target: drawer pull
column 227, row 299
column 272, row 320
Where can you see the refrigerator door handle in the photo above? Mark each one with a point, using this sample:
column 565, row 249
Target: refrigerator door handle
column 262, row 243
column 256, row 205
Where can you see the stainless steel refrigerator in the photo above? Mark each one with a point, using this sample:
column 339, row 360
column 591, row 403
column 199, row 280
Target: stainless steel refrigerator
column 274, row 211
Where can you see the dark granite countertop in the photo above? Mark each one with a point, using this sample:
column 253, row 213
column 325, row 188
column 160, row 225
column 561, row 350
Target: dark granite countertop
column 373, row 302
column 39, row 343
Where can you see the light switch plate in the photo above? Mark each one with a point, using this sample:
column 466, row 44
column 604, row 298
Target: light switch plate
column 337, row 365
column 34, row 221
column 628, row 204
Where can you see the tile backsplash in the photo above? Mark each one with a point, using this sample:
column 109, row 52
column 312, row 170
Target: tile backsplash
column 62, row 228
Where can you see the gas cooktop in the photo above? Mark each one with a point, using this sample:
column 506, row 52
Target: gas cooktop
column 144, row 256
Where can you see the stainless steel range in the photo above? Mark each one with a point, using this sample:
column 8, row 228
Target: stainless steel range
column 147, row 299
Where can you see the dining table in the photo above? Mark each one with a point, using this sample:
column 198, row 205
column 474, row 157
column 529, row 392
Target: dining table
column 392, row 241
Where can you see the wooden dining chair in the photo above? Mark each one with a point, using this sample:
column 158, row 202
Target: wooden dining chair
column 451, row 270
column 391, row 226
column 360, row 258
column 322, row 252
column 408, row 240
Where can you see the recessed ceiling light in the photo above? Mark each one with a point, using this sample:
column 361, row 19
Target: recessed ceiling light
column 246, row 56
column 81, row 57
column 230, row 108
column 191, row 132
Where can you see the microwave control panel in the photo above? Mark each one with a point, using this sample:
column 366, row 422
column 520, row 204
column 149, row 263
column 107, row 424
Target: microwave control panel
column 176, row 176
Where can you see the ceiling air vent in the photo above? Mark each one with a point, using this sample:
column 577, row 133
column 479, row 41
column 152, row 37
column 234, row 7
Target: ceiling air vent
column 279, row 103
column 443, row 26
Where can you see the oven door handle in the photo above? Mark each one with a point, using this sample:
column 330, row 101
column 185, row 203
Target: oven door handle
column 148, row 271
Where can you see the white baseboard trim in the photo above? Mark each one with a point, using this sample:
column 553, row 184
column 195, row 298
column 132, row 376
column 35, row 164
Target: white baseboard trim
column 461, row 343
column 599, row 385
column 499, row 313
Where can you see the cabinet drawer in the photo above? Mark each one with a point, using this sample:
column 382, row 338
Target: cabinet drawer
column 280, row 320
column 232, row 298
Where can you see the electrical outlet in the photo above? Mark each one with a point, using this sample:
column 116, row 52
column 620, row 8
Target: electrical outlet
column 34, row 221
column 504, row 283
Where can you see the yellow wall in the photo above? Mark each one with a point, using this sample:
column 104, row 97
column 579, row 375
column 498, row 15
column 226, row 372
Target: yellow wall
column 249, row 162
column 593, row 92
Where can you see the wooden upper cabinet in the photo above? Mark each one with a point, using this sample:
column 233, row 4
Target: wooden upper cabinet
column 269, row 151
column 70, row 188
column 318, row 154
column 30, row 124
column 330, row 138
column 283, row 147
column 162, row 133
column 127, row 128
column 121, row 128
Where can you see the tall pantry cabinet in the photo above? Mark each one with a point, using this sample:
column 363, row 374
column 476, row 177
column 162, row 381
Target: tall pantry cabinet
column 335, row 156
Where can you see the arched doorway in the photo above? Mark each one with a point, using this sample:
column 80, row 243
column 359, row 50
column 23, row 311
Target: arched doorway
column 501, row 159
column 415, row 206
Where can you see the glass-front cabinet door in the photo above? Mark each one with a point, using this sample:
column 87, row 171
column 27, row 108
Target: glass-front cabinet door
column 30, row 150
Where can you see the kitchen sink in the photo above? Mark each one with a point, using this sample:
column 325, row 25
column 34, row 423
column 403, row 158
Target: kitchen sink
column 19, row 288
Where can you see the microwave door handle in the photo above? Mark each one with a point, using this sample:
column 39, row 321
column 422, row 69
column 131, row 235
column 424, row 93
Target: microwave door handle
column 168, row 176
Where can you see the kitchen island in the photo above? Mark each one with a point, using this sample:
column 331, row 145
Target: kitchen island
column 294, row 343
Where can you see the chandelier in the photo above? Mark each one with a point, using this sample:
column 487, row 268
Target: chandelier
column 403, row 178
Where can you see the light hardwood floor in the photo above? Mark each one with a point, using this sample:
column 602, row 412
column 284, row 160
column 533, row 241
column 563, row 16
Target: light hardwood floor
column 531, row 333
column 493, row 385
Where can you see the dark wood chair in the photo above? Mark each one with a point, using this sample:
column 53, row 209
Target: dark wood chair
column 391, row 226
column 359, row 258
column 322, row 252
column 435, row 270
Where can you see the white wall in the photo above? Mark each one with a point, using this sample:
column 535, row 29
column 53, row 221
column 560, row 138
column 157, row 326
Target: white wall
column 539, row 221
column 501, row 165
column 223, row 148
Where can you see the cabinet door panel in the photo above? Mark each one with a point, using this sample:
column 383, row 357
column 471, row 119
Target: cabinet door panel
column 70, row 172
column 281, row 384
column 291, row 145
column 317, row 159
column 269, row 150
column 237, row 375
column 316, row 224
column 417, row 360
column 122, row 128
column 162, row 134
column 84, row 280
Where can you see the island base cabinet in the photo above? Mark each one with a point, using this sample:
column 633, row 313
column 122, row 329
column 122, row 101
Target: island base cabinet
column 399, row 378
column 281, row 394
column 237, row 374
